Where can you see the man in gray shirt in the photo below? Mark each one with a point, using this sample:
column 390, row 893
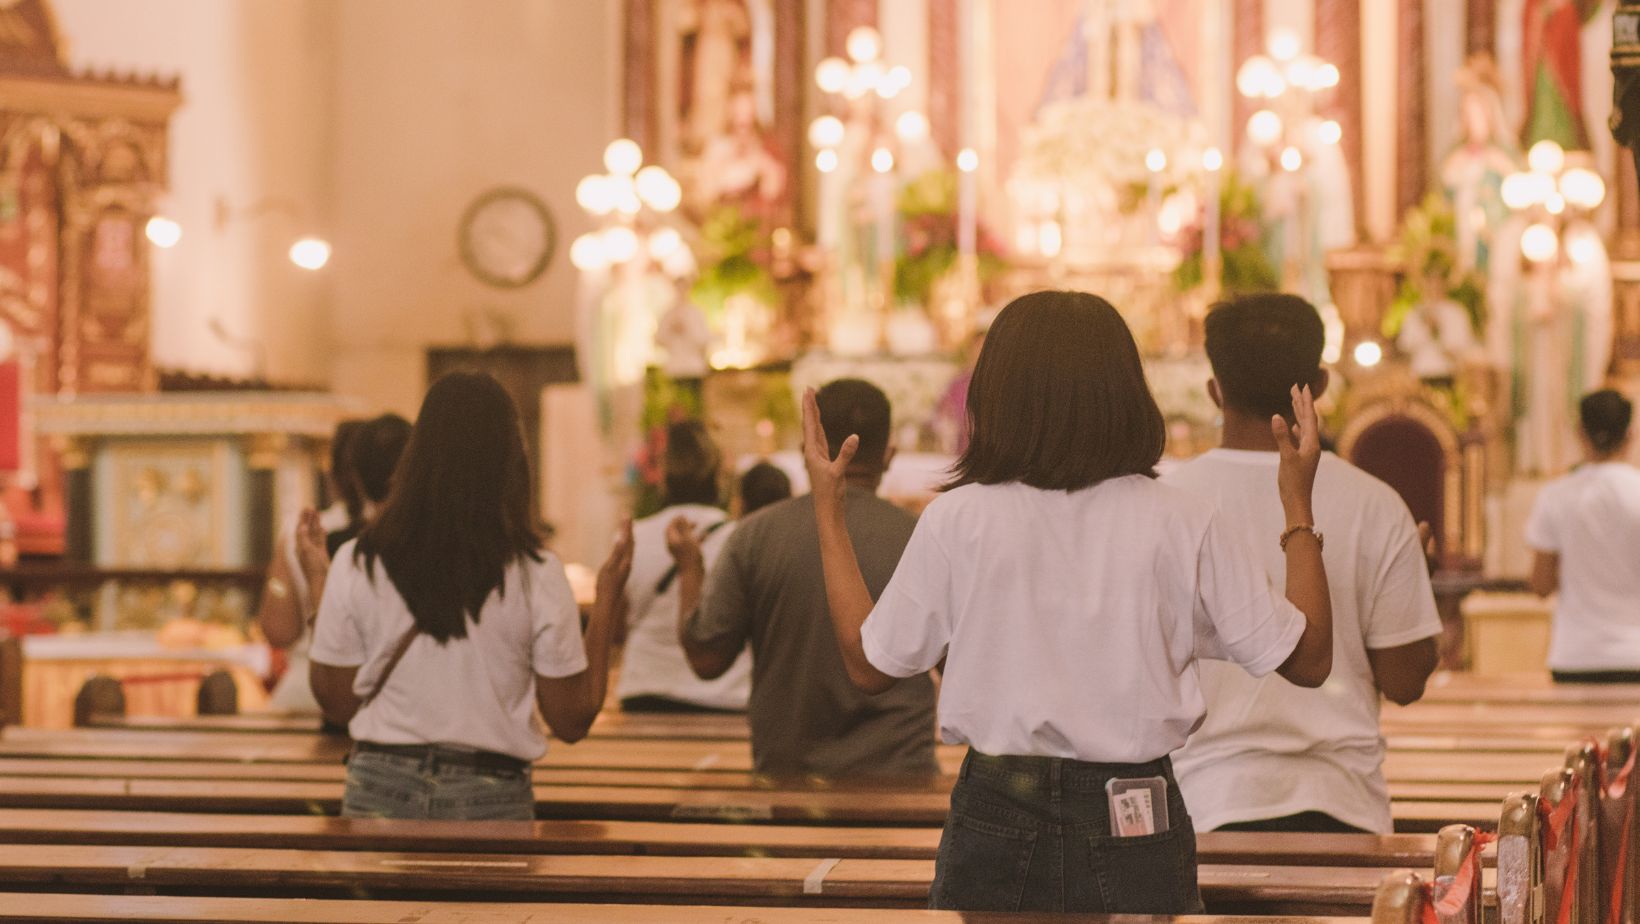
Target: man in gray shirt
column 767, row 588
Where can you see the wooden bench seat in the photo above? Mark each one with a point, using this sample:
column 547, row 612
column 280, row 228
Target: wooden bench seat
column 632, row 803
column 107, row 909
column 307, row 832
column 877, row 883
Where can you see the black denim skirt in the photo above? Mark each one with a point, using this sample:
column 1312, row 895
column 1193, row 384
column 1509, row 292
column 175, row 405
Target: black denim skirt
column 1034, row 834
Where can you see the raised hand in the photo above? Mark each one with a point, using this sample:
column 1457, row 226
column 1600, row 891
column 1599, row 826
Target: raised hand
column 1300, row 447
column 617, row 567
column 683, row 542
column 311, row 553
column 827, row 479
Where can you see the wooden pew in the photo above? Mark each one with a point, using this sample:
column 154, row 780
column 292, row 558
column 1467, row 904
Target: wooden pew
column 307, row 832
column 847, row 882
column 106, row 909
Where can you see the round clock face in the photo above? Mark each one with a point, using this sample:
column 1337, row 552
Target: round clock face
column 507, row 237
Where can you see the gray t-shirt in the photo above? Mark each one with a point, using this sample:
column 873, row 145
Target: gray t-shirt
column 807, row 717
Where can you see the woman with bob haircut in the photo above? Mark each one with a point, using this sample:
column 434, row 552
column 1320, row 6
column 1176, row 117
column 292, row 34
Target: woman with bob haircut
column 445, row 624
column 1068, row 595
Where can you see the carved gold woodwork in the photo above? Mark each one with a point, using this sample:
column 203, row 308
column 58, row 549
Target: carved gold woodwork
column 1393, row 393
column 1363, row 282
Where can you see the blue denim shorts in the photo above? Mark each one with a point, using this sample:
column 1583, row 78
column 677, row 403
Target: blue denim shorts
column 1034, row 834
column 397, row 786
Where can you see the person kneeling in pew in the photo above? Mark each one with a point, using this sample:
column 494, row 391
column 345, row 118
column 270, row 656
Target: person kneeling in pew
column 1271, row 756
column 807, row 719
column 445, row 624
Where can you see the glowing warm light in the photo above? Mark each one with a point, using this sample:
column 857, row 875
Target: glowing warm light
column 1212, row 160
column 310, row 253
column 1050, row 239
column 1583, row 188
column 825, row 161
column 1285, row 44
column 1368, row 354
column 826, row 132
column 1326, row 77
column 895, row 82
column 1264, row 127
column 1539, row 243
column 1156, row 160
column 623, row 157
column 664, row 243
column 162, row 232
column 864, row 44
column 658, row 189
column 587, row 253
column 620, row 244
column 1546, row 157
column 1517, row 191
column 1329, row 132
column 882, row 160
column 623, row 191
column 1259, row 77
column 1555, row 204
column 862, row 80
column 595, row 194
column 1291, row 159
column 1302, row 71
column 911, row 126
column 1583, row 245
column 831, row 75
column 968, row 160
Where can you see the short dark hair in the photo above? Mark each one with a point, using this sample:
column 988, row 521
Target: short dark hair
column 691, row 465
column 373, row 453
column 1059, row 400
column 460, row 510
column 1606, row 416
column 855, row 407
column 1260, row 346
column 762, row 485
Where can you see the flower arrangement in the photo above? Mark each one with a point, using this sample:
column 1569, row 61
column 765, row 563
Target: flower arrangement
column 928, row 206
column 665, row 402
column 737, row 263
column 1244, row 256
column 1427, row 248
column 1094, row 147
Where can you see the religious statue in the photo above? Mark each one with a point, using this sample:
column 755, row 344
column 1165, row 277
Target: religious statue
column 1552, row 59
column 738, row 165
column 1438, row 334
column 1473, row 172
column 717, row 30
column 684, row 337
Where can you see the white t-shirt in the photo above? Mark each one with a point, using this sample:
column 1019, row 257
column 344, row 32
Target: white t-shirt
column 1591, row 519
column 654, row 664
column 1268, row 748
column 476, row 692
column 1074, row 621
column 293, row 692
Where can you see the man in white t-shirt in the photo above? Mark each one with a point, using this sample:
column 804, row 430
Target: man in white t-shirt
column 655, row 675
column 1272, row 756
column 1584, row 530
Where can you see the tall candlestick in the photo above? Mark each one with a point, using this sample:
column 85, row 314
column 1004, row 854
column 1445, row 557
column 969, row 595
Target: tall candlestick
column 882, row 161
column 1155, row 162
column 967, row 203
column 1212, row 255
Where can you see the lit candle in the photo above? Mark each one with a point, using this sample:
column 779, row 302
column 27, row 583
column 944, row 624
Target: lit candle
column 1213, row 163
column 1155, row 162
column 882, row 161
column 967, row 203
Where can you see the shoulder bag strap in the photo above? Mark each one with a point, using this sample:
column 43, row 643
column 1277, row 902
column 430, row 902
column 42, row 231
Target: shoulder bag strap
column 393, row 662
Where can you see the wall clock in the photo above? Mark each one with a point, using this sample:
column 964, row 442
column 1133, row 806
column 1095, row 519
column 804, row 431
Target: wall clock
column 507, row 237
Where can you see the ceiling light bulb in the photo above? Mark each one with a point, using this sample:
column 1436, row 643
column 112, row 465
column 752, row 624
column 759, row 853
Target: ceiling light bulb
column 1546, row 157
column 623, row 157
column 162, row 232
column 967, row 160
column 831, row 75
column 864, row 44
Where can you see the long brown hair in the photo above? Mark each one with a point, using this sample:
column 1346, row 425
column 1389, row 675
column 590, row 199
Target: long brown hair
column 459, row 511
column 1059, row 400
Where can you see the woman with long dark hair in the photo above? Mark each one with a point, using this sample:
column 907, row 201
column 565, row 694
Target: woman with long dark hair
column 445, row 624
column 1068, row 595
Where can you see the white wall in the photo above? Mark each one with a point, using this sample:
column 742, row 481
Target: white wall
column 255, row 123
column 437, row 102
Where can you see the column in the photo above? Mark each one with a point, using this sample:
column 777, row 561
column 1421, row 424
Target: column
column 1380, row 89
column 1337, row 39
column 1247, row 39
column 1411, row 150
